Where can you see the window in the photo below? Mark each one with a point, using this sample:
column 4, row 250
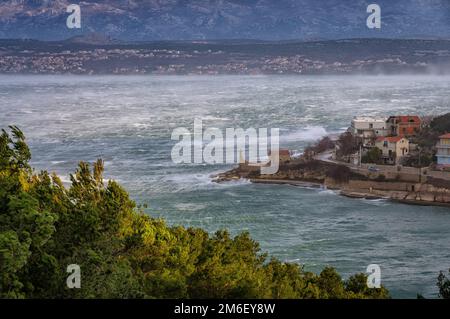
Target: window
column 385, row 144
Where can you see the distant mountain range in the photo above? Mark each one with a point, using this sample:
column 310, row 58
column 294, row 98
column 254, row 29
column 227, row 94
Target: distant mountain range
column 149, row 20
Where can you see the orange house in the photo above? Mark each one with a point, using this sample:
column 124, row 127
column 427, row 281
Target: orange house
column 404, row 125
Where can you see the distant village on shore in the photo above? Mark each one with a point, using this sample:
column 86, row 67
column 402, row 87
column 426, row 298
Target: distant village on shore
column 396, row 140
column 402, row 140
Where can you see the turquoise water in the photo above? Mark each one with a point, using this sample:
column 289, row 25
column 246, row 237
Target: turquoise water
column 128, row 122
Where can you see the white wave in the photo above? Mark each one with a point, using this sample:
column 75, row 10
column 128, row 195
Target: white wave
column 65, row 179
column 310, row 133
column 186, row 182
column 189, row 206
column 327, row 192
column 189, row 178
column 237, row 182
column 366, row 100
column 201, row 181
column 213, row 118
column 296, row 154
column 400, row 100
column 141, row 125
column 232, row 194
column 376, row 202
column 57, row 162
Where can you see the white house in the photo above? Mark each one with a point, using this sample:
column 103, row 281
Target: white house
column 369, row 128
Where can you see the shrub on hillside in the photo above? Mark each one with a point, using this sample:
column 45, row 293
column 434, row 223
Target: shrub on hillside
column 124, row 253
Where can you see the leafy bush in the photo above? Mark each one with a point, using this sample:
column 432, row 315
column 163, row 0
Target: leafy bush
column 441, row 124
column 429, row 135
column 339, row 173
column 374, row 156
column 416, row 159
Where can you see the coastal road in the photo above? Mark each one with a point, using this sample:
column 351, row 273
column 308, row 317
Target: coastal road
column 326, row 157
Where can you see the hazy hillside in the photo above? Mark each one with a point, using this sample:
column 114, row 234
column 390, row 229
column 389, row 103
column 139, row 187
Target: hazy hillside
column 220, row 19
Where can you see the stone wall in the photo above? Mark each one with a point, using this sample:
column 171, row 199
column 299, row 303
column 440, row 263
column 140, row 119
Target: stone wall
column 418, row 193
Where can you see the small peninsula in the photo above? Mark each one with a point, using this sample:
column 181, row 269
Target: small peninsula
column 405, row 158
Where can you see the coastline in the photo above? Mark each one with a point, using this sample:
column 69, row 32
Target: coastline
column 286, row 182
column 411, row 193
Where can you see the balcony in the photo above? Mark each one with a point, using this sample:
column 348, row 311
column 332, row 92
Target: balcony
column 443, row 155
column 439, row 145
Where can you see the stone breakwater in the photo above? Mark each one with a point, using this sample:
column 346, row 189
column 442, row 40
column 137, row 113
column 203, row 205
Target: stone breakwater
column 411, row 193
column 433, row 192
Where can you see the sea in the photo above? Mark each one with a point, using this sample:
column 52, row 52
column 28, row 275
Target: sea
column 128, row 121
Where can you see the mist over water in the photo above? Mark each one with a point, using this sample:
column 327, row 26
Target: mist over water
column 128, row 122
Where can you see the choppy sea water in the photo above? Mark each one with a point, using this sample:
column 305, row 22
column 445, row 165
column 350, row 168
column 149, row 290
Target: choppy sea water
column 128, row 122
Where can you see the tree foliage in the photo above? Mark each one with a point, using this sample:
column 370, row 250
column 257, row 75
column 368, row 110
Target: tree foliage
column 347, row 144
column 441, row 124
column 374, row 156
column 429, row 135
column 443, row 284
column 322, row 145
column 124, row 253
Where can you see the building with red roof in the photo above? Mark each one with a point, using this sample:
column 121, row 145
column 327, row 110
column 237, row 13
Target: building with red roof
column 404, row 125
column 390, row 139
column 393, row 148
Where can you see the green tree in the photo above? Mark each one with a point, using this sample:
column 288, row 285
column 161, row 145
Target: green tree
column 25, row 226
column 347, row 144
column 443, row 284
column 356, row 287
column 374, row 156
column 123, row 252
column 441, row 124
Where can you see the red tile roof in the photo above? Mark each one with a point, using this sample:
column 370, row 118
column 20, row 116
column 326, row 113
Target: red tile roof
column 445, row 136
column 407, row 119
column 390, row 139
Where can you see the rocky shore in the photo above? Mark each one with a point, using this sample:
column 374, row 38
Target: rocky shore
column 320, row 175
